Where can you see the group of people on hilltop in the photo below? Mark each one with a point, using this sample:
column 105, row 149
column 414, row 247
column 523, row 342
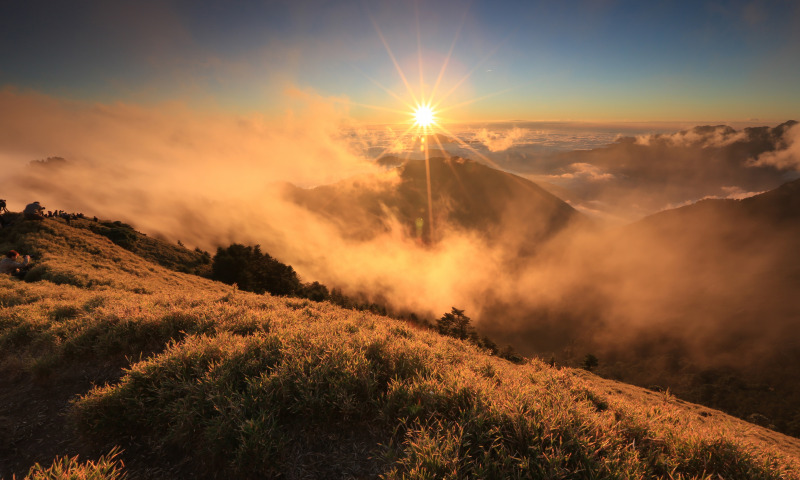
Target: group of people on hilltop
column 66, row 216
column 33, row 211
column 15, row 264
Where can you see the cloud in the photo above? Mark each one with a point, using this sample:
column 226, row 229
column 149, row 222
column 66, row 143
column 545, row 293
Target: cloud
column 701, row 137
column 173, row 143
column 157, row 166
column 499, row 141
column 209, row 178
column 581, row 171
column 737, row 193
column 786, row 158
column 646, row 174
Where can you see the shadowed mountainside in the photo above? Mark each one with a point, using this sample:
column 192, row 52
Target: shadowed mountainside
column 466, row 196
column 728, row 333
column 702, row 300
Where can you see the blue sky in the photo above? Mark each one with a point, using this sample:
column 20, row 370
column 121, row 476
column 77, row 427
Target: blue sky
column 532, row 60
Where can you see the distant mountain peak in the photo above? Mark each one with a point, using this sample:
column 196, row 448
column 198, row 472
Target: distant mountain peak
column 466, row 195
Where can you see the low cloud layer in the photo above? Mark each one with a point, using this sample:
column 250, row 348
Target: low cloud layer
column 618, row 173
column 701, row 137
column 118, row 152
column 645, row 174
column 499, row 141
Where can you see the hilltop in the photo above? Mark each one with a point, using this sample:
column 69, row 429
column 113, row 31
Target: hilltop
column 102, row 348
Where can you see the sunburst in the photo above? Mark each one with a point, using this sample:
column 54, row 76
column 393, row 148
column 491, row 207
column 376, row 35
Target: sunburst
column 424, row 110
column 424, row 116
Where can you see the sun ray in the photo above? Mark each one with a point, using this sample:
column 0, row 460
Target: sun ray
column 431, row 236
column 449, row 55
column 474, row 69
column 384, row 88
column 471, row 101
column 373, row 107
column 518, row 180
column 455, row 172
column 469, row 147
column 394, row 60
column 419, row 55
column 385, row 150
column 424, row 115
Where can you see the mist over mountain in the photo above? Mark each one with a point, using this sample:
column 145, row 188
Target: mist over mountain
column 601, row 186
column 619, row 175
column 466, row 196
column 673, row 299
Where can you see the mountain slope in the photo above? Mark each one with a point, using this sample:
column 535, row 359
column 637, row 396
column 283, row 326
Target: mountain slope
column 225, row 383
column 717, row 283
column 466, row 195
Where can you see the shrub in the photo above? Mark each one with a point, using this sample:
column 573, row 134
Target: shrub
column 457, row 325
column 589, row 362
column 120, row 233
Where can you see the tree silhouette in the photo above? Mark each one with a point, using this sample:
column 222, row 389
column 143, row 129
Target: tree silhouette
column 315, row 291
column 254, row 271
column 589, row 362
column 456, row 324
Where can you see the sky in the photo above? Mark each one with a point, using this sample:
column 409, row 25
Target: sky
column 602, row 60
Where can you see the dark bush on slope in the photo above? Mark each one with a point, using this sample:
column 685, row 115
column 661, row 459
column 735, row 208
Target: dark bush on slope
column 254, row 271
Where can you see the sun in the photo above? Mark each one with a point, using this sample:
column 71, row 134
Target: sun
column 424, row 116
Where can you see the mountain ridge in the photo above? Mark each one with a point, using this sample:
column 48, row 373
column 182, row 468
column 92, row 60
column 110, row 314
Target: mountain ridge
column 466, row 195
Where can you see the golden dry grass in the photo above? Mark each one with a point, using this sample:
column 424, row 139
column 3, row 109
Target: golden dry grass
column 238, row 384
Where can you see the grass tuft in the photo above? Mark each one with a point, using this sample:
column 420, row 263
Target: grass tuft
column 108, row 467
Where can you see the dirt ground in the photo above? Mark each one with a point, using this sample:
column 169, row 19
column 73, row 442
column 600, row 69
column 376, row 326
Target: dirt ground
column 35, row 426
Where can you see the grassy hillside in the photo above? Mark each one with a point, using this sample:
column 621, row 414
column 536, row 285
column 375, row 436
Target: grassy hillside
column 104, row 354
column 174, row 257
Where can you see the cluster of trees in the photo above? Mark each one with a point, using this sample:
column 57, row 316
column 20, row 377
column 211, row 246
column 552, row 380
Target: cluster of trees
column 255, row 271
column 589, row 362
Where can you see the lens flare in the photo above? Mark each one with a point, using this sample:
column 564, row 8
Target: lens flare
column 424, row 116
column 425, row 125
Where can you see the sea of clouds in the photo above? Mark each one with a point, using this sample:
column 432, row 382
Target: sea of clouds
column 212, row 178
